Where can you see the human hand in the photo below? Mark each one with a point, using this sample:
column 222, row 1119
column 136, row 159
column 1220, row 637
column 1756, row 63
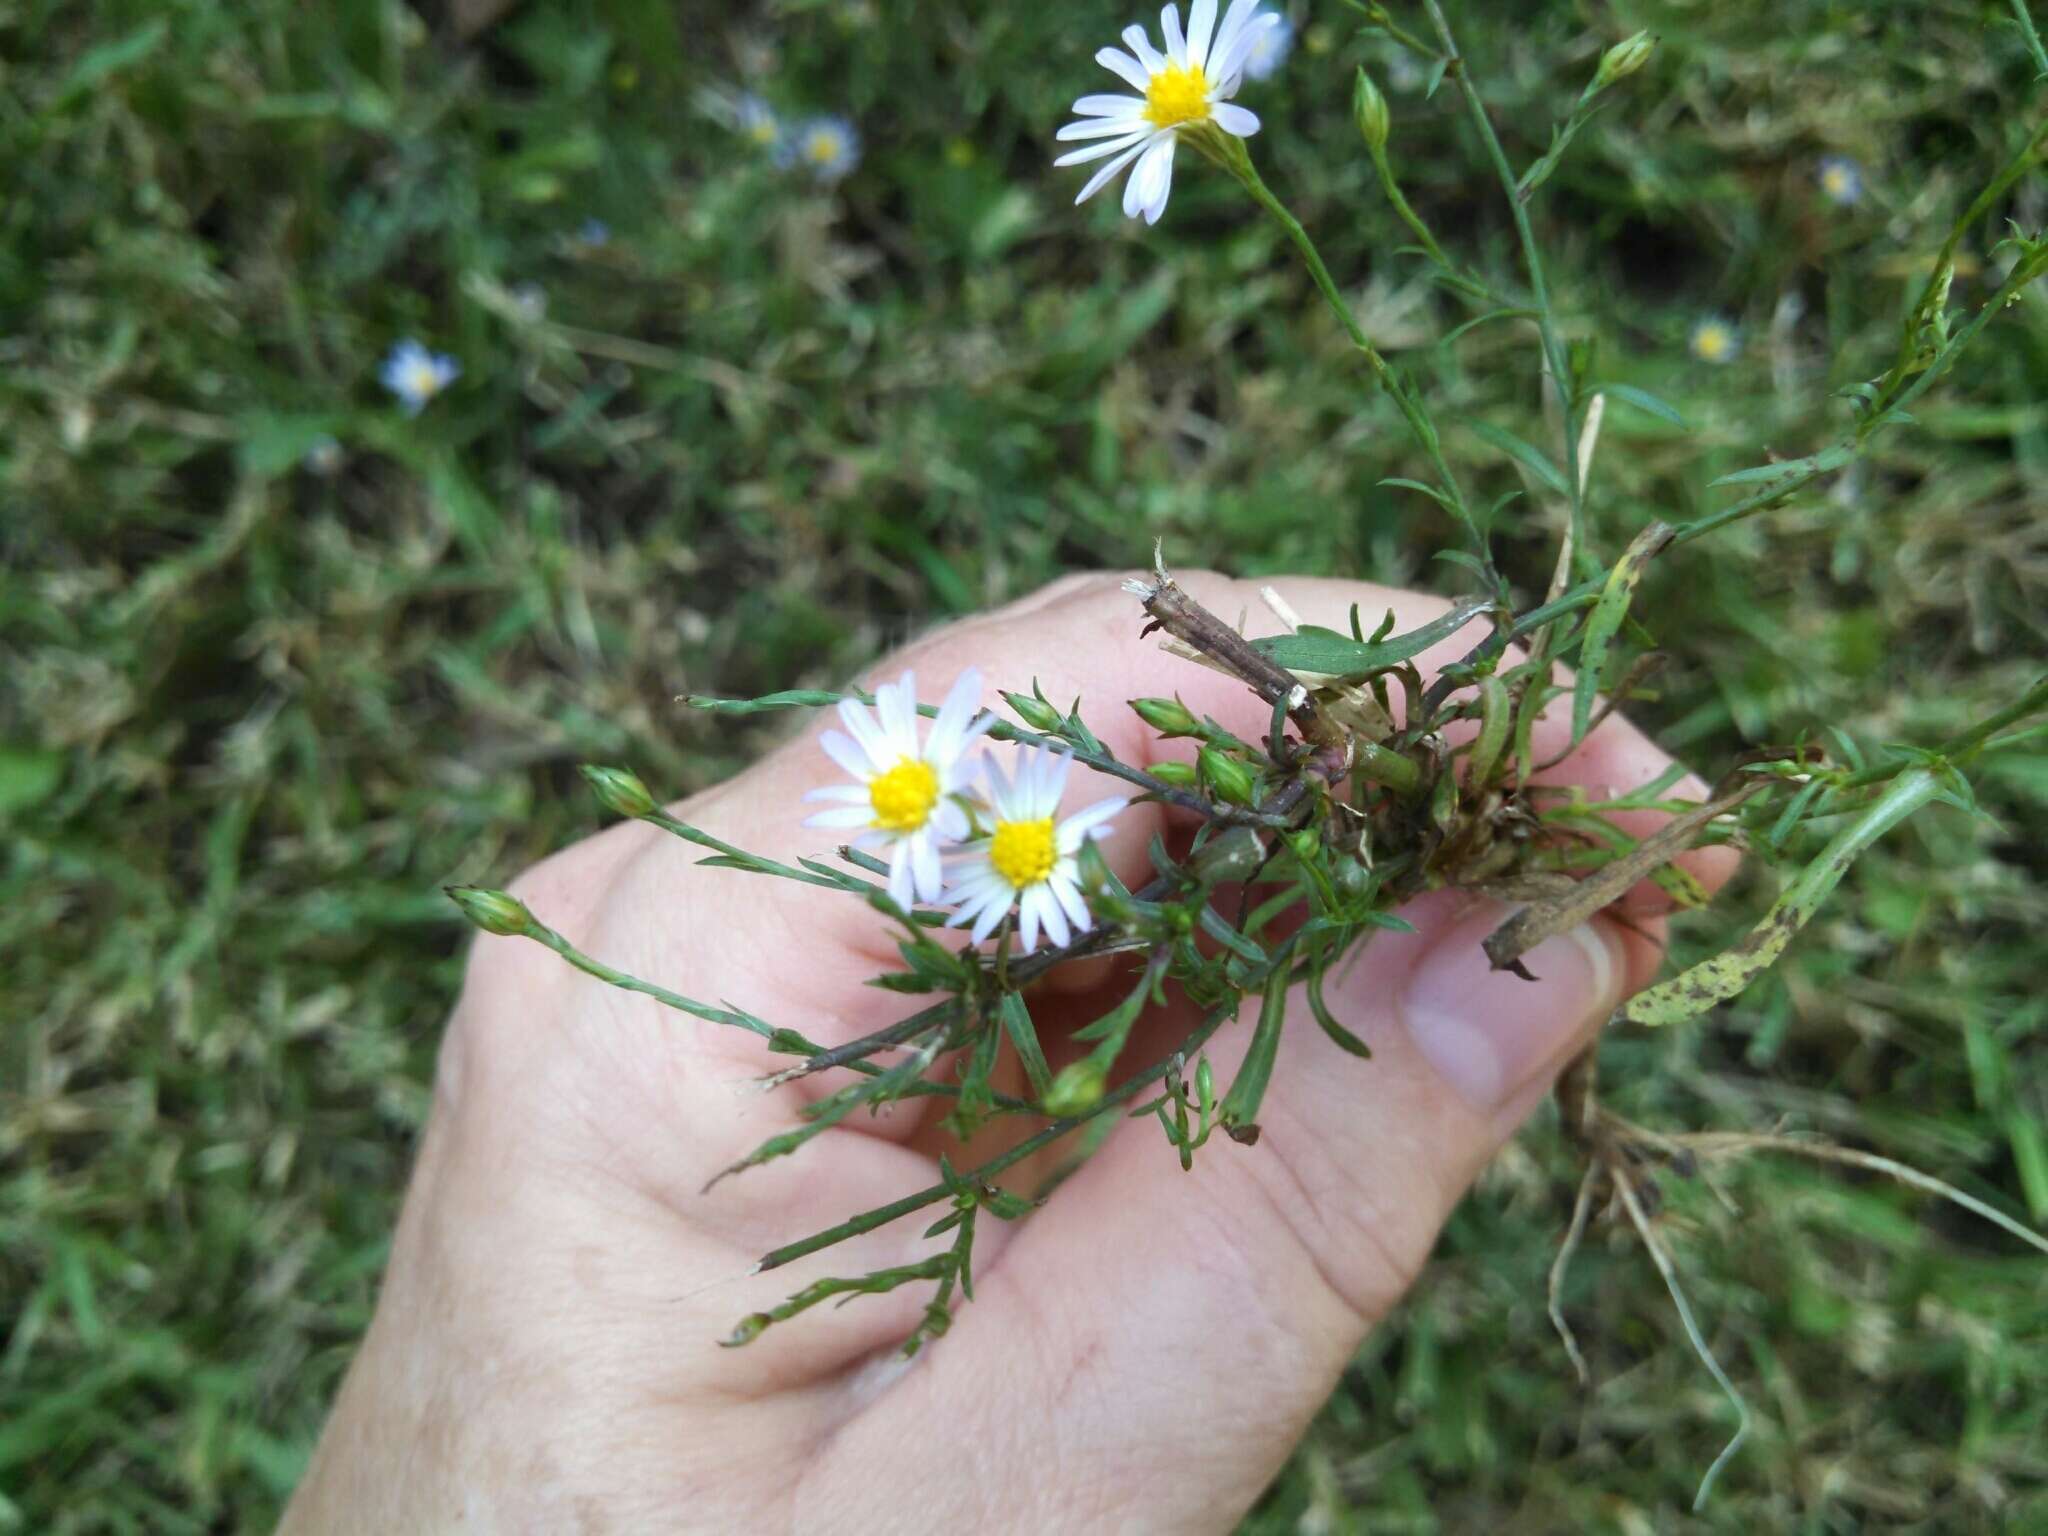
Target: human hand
column 1141, row 1354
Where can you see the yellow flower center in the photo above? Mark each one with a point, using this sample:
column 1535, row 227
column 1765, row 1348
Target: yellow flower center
column 1177, row 95
column 1835, row 181
column 1712, row 342
column 762, row 131
column 904, row 796
column 422, row 380
column 1024, row 852
column 824, row 148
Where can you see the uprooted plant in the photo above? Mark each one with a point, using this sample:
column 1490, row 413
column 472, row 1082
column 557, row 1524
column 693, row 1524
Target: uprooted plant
column 1369, row 784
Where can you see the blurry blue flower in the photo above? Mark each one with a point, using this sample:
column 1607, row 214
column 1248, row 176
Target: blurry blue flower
column 1269, row 49
column 415, row 375
column 1715, row 339
column 826, row 147
column 757, row 122
column 594, row 233
column 531, row 301
column 1841, row 180
column 322, row 456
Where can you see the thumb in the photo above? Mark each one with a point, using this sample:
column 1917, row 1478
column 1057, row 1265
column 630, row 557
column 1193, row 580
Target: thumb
column 1192, row 1324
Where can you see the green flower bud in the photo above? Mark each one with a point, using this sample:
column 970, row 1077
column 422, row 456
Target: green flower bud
column 492, row 911
column 1623, row 59
column 1179, row 775
column 1370, row 108
column 1169, row 717
column 1036, row 713
column 1077, row 1089
column 1224, row 774
column 620, row 791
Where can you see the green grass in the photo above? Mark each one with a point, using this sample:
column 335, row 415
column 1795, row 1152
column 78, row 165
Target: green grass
column 253, row 716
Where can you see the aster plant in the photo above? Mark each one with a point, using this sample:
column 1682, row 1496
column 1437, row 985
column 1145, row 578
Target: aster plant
column 1370, row 784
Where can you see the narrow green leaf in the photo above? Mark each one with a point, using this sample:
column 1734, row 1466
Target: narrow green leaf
column 1024, row 1036
column 1714, row 981
column 1240, row 1111
column 1534, row 459
column 1312, row 649
column 1644, row 401
column 1606, row 619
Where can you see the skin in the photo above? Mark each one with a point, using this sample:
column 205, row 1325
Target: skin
column 1141, row 1354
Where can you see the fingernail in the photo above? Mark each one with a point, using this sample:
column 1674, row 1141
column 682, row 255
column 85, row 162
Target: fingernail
column 1489, row 1032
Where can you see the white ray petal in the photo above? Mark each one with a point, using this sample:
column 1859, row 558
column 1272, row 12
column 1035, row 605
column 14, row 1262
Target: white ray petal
column 1027, row 921
column 901, row 889
column 897, row 705
column 1201, row 23
column 1227, row 32
column 1110, row 106
column 1142, row 49
column 842, row 816
column 1169, row 32
column 1235, row 120
column 847, row 753
column 1082, row 825
column 926, row 874
column 855, row 717
column 1155, row 162
column 1162, row 184
column 1068, row 894
column 1229, row 71
column 990, row 918
column 1109, row 169
column 1056, row 926
column 839, row 794
column 1097, row 151
column 949, row 729
column 1124, row 67
column 1101, row 128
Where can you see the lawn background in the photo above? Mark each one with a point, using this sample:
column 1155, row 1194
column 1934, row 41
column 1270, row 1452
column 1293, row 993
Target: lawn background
column 256, row 710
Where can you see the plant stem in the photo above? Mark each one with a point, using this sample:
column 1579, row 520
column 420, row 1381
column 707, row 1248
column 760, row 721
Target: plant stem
column 2019, row 11
column 1233, row 156
column 882, row 1215
column 1539, row 291
column 1408, row 215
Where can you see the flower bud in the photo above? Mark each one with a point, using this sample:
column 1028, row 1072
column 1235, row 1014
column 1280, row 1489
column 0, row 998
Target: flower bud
column 1370, row 108
column 1623, row 59
column 493, row 911
column 1036, row 713
column 619, row 791
column 1229, row 778
column 1077, row 1089
column 1169, row 717
column 1179, row 775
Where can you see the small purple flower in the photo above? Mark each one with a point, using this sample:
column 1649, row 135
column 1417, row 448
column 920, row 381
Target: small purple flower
column 415, row 375
column 594, row 233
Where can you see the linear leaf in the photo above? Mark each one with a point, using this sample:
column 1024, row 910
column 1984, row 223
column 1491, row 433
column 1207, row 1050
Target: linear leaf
column 1534, row 459
column 1606, row 621
column 1324, row 651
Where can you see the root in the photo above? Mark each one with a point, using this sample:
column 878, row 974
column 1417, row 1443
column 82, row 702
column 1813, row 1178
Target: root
column 1633, row 1206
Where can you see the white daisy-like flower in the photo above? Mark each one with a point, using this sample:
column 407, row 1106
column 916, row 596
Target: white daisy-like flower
column 909, row 795
column 1714, row 339
column 1841, row 180
column 415, row 375
column 827, row 147
column 1189, row 85
column 1028, row 859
